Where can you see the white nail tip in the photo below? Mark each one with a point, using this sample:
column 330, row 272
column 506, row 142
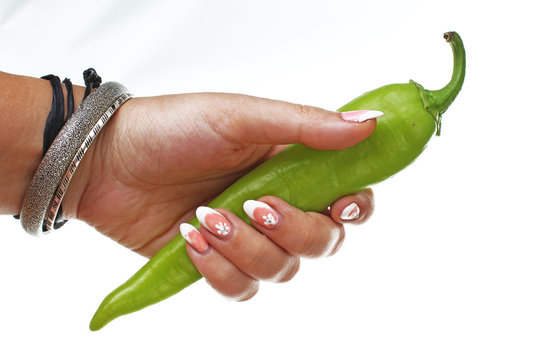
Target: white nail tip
column 250, row 206
column 185, row 229
column 202, row 212
column 351, row 212
column 372, row 114
column 361, row 115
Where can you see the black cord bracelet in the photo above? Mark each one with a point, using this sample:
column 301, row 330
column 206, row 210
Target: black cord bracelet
column 70, row 99
column 91, row 80
column 60, row 221
column 55, row 120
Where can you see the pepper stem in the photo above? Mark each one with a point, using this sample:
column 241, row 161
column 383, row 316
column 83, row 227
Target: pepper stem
column 437, row 101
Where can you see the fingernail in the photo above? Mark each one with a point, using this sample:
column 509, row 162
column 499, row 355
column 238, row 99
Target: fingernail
column 351, row 212
column 213, row 221
column 361, row 115
column 193, row 237
column 261, row 213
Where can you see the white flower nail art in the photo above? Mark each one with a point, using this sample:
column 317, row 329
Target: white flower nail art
column 222, row 228
column 213, row 221
column 261, row 213
column 269, row 219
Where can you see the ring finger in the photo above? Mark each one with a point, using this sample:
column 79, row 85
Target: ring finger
column 251, row 251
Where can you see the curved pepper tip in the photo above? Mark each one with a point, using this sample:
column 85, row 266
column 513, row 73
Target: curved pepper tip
column 102, row 316
column 96, row 323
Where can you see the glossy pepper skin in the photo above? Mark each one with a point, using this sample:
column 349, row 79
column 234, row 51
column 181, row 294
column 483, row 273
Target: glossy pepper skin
column 307, row 178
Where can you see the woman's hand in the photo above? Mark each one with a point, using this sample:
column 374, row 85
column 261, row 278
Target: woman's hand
column 234, row 261
column 161, row 158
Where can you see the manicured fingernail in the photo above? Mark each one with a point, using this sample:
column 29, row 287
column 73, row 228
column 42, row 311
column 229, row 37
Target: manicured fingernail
column 213, row 221
column 193, row 237
column 261, row 213
column 361, row 115
column 351, row 212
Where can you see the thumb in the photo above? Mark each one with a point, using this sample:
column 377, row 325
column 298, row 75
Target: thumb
column 253, row 120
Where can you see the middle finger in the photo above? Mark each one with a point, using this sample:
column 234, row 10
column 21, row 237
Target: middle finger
column 306, row 234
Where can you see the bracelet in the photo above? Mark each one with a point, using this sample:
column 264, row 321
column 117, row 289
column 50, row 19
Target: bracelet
column 52, row 178
column 92, row 81
column 56, row 120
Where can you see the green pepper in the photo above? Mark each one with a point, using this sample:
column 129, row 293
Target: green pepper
column 307, row 178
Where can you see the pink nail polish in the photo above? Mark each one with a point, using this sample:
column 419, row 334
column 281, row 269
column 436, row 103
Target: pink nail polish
column 193, row 237
column 351, row 212
column 359, row 116
column 213, row 221
column 261, row 213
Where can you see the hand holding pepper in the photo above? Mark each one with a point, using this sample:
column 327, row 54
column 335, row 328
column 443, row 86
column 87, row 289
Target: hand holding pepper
column 161, row 158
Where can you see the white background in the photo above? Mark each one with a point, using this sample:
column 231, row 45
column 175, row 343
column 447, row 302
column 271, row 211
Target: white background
column 447, row 268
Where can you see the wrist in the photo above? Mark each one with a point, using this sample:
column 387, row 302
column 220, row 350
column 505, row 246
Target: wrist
column 24, row 105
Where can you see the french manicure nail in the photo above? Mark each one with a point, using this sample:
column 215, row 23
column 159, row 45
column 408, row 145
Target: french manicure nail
column 213, row 221
column 351, row 212
column 361, row 115
column 193, row 237
column 261, row 213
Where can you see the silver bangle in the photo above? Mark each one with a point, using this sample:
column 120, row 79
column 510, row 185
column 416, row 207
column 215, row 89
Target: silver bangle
column 51, row 180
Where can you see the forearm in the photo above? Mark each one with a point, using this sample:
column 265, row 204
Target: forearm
column 25, row 103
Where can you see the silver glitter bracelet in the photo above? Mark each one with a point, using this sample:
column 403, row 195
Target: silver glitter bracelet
column 51, row 180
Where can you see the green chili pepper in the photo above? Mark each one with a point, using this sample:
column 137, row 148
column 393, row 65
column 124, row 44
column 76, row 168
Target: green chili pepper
column 307, row 178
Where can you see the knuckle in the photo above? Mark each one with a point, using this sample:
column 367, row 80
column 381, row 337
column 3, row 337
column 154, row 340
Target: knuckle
column 224, row 277
column 248, row 292
column 232, row 283
column 268, row 268
column 310, row 244
column 237, row 292
column 339, row 242
column 259, row 264
column 304, row 116
column 302, row 247
column 368, row 193
column 289, row 271
column 305, row 111
column 366, row 198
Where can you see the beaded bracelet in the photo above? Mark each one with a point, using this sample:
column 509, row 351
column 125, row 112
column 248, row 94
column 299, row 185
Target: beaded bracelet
column 51, row 180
